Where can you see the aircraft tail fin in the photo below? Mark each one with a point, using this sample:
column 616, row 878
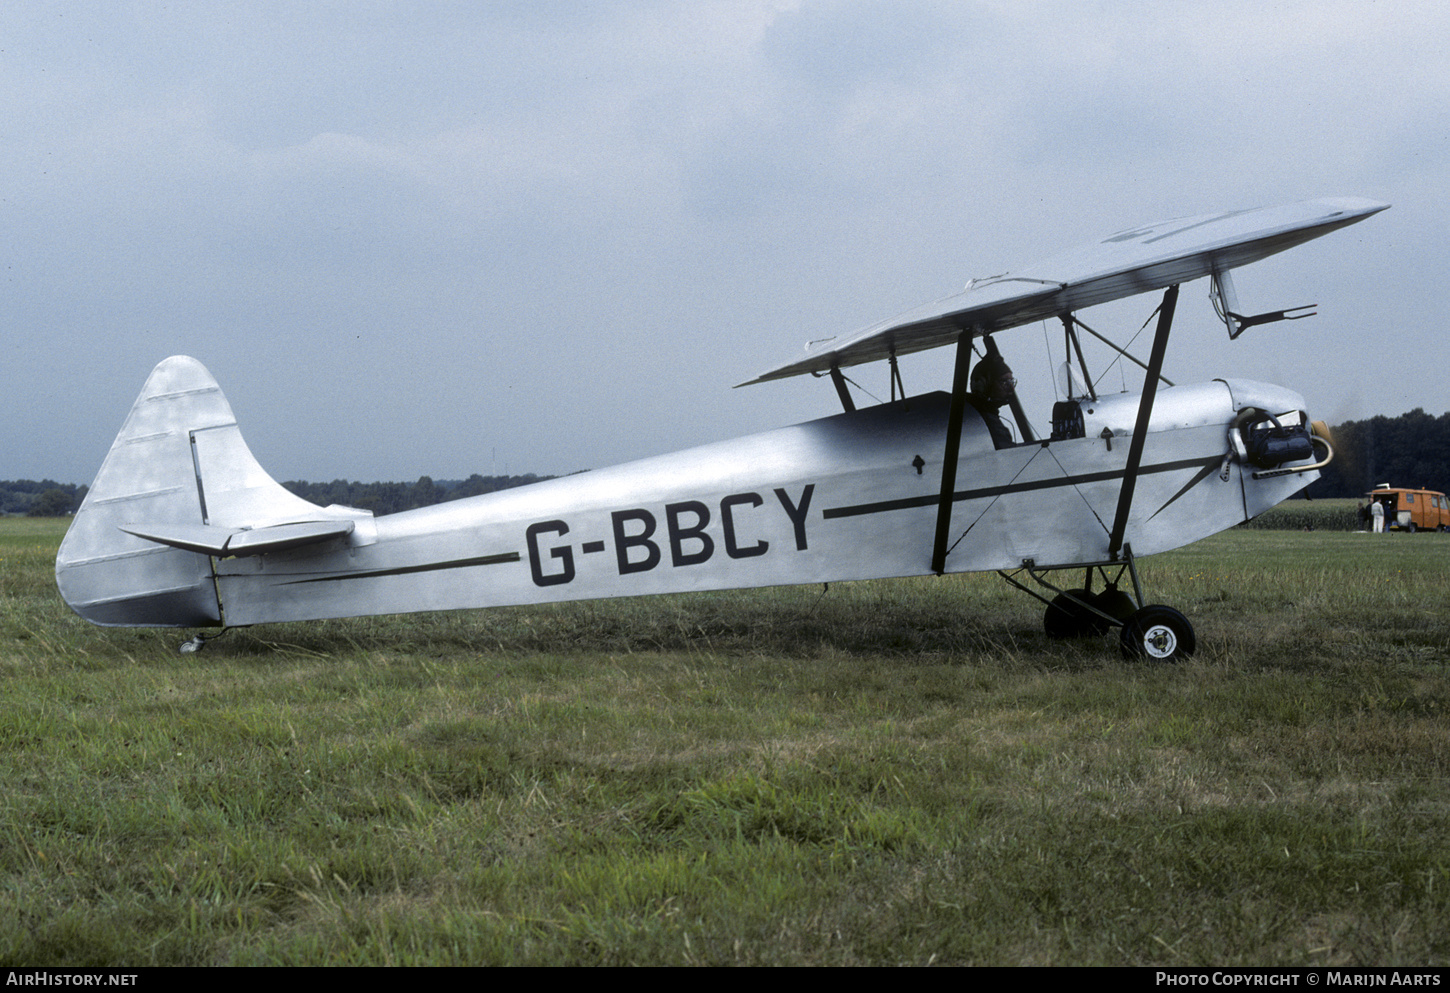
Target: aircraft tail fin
column 178, row 486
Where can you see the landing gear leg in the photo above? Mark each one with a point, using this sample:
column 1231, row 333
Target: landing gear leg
column 1150, row 631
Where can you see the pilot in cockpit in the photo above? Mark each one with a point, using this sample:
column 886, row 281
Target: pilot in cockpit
column 992, row 388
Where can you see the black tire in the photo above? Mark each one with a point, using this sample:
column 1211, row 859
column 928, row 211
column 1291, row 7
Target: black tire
column 1115, row 603
column 1066, row 618
column 1158, row 634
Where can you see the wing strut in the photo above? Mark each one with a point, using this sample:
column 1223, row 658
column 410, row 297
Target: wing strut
column 949, row 458
column 1140, row 427
column 1069, row 331
column 840, row 380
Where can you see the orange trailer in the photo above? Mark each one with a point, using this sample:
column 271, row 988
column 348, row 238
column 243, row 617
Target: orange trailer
column 1413, row 510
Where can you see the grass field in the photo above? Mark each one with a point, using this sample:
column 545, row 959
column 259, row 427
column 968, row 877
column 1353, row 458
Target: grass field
column 886, row 772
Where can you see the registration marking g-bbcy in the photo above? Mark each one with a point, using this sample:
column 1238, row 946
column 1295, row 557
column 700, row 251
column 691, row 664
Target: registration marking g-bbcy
column 688, row 535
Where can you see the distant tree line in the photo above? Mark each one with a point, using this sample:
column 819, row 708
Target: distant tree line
column 391, row 498
column 1409, row 450
column 45, row 498
column 48, row 498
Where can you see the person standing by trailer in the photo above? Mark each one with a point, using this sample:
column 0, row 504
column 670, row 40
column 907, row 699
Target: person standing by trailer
column 1377, row 511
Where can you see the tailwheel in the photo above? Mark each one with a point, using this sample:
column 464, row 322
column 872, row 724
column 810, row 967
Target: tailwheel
column 196, row 644
column 1158, row 633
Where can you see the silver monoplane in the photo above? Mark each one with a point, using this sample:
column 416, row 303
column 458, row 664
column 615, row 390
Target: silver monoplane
column 183, row 528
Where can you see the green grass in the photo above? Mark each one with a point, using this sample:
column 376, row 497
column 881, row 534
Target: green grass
column 887, row 772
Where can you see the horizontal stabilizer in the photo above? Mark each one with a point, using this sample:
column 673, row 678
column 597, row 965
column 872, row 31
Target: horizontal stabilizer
column 1121, row 265
column 209, row 539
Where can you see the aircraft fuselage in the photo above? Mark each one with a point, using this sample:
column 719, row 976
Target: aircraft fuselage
column 853, row 496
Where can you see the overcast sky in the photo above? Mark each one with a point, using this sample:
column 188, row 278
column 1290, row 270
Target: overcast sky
column 444, row 238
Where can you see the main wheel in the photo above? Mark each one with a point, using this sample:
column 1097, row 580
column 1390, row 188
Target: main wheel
column 1066, row 618
column 1115, row 603
column 1158, row 633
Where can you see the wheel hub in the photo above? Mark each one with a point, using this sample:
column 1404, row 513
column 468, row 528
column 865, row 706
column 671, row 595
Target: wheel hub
column 1159, row 641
